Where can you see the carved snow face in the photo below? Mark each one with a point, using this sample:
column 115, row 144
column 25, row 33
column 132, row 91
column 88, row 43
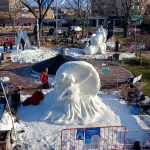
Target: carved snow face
column 77, row 84
column 76, row 79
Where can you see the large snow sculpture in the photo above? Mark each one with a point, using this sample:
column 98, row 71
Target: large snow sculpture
column 77, row 85
column 24, row 36
column 97, row 42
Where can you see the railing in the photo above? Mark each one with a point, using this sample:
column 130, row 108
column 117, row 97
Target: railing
column 97, row 138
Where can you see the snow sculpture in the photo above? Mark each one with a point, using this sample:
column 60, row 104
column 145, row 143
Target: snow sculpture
column 24, row 36
column 76, row 88
column 97, row 42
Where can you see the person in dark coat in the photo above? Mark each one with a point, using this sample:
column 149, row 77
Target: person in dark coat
column 117, row 46
column 5, row 45
column 22, row 43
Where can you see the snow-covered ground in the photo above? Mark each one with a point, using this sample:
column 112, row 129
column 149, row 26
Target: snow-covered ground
column 34, row 133
column 39, row 134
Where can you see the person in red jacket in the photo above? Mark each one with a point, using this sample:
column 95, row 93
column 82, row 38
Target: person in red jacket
column 44, row 78
column 10, row 43
column 35, row 99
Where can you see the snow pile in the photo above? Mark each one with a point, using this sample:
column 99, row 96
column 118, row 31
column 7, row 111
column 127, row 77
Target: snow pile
column 76, row 101
column 6, row 121
column 126, row 55
column 32, row 56
column 79, row 54
column 44, row 135
column 110, row 44
column 4, row 79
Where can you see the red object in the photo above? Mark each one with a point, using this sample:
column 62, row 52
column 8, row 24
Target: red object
column 9, row 41
column 36, row 98
column 44, row 77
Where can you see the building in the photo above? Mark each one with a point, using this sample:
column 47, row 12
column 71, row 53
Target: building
column 102, row 9
column 15, row 11
column 7, row 5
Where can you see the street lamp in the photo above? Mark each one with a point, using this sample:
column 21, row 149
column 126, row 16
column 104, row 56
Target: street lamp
column 56, row 20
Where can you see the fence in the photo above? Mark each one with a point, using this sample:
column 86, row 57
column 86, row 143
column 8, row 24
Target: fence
column 95, row 138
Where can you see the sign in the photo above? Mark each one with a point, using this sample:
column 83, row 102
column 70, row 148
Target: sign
column 92, row 135
column 105, row 70
column 80, row 134
column 138, row 78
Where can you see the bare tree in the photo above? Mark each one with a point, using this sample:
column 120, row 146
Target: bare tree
column 147, row 15
column 81, row 11
column 15, row 13
column 42, row 8
column 124, row 8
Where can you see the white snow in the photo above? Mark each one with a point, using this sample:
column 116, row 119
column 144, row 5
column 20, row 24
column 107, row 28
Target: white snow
column 40, row 134
column 4, row 79
column 77, row 84
column 45, row 135
column 97, row 42
column 6, row 121
column 32, row 56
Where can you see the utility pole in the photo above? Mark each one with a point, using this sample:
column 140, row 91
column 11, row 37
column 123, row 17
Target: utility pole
column 56, row 20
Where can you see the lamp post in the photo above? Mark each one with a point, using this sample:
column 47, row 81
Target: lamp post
column 56, row 20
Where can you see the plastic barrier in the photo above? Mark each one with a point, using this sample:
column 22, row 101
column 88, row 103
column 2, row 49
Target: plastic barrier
column 97, row 138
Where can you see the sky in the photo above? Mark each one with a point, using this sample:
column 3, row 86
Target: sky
column 61, row 3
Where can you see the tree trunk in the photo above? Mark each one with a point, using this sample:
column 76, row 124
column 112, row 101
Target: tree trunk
column 39, row 31
column 82, row 30
column 126, row 27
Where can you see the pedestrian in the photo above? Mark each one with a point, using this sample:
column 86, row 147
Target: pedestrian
column 5, row 45
column 117, row 46
column 10, row 43
column 22, row 43
column 44, row 78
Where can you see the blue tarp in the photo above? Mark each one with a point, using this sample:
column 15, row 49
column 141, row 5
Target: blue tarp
column 134, row 109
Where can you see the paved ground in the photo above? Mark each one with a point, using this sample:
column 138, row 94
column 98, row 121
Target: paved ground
column 19, row 75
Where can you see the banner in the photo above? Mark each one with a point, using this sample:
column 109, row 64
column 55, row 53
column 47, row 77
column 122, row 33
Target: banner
column 92, row 135
column 45, row 3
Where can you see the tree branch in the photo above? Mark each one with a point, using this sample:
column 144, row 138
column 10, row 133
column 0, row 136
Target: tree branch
column 30, row 8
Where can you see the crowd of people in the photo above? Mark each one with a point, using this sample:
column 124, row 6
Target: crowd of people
column 8, row 45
